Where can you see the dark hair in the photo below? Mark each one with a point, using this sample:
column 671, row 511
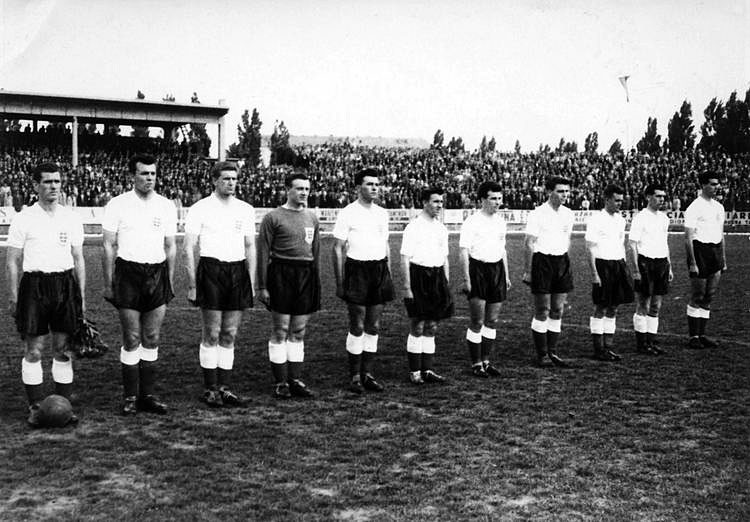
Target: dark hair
column 612, row 189
column 652, row 188
column 427, row 193
column 553, row 181
column 36, row 174
column 289, row 180
column 486, row 187
column 221, row 166
column 706, row 176
column 145, row 159
column 362, row 174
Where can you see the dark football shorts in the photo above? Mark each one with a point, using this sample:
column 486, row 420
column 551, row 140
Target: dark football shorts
column 48, row 302
column 616, row 287
column 367, row 283
column 654, row 276
column 550, row 274
column 293, row 287
column 141, row 286
column 222, row 285
column 487, row 281
column 432, row 297
column 708, row 258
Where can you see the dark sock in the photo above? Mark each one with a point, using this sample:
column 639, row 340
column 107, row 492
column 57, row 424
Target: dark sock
column 147, row 376
column 598, row 342
column 693, row 326
column 368, row 358
column 415, row 361
column 355, row 362
column 279, row 372
column 540, row 343
column 210, row 378
column 295, row 370
column 129, row 379
column 488, row 346
column 474, row 352
column 64, row 389
column 552, row 338
column 427, row 361
column 34, row 393
column 224, row 377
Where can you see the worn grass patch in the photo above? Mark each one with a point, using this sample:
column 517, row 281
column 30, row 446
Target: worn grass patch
column 644, row 439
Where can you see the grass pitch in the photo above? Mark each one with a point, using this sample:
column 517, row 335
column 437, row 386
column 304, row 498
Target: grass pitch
column 644, row 439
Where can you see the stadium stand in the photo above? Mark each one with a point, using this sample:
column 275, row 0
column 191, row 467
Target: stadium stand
column 184, row 174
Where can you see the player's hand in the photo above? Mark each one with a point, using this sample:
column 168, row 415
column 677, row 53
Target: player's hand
column 637, row 275
column 466, row 288
column 109, row 294
column 12, row 308
column 724, row 268
column 264, row 297
column 526, row 278
column 408, row 294
column 693, row 268
column 339, row 292
column 191, row 296
column 507, row 284
column 596, row 280
column 671, row 275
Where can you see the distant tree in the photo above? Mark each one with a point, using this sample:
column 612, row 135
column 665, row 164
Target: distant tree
column 650, row 142
column 571, row 146
column 680, row 130
column 591, row 143
column 168, row 97
column 197, row 135
column 456, row 145
column 483, row 146
column 616, row 148
column 249, row 140
column 140, row 95
column 438, row 139
column 492, row 145
column 560, row 145
column 281, row 150
column 517, row 147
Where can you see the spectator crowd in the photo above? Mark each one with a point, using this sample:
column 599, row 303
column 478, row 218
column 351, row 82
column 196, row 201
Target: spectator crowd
column 184, row 176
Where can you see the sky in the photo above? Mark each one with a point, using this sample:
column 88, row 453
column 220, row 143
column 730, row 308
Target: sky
column 534, row 70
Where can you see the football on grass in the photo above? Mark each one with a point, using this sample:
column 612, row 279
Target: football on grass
column 55, row 411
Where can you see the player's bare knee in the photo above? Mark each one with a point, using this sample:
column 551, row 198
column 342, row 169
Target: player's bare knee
column 227, row 336
column 33, row 354
column 297, row 334
column 475, row 325
column 150, row 339
column 279, row 335
column 430, row 328
column 492, row 323
column 131, row 340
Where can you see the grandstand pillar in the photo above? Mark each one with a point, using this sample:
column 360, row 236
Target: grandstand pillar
column 222, row 137
column 74, row 144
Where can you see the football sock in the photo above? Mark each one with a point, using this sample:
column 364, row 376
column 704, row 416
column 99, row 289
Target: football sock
column 129, row 364
column 354, row 348
column 474, row 342
column 32, row 377
column 539, row 334
column 693, row 317
column 295, row 355
column 225, row 363
column 428, row 353
column 209, row 361
column 554, row 327
column 597, row 333
column 640, row 325
column 652, row 326
column 488, row 342
column 62, row 375
column 703, row 320
column 414, row 352
column 278, row 358
column 147, row 369
column 609, row 325
column 369, row 348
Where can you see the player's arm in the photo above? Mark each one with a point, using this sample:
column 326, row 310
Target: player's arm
column 13, row 260
column 189, row 243
column 689, row 237
column 446, row 269
column 251, row 258
column 79, row 267
column 722, row 246
column 405, row 263
column 109, row 243
column 530, row 243
column 170, row 251
column 632, row 253
column 464, row 256
column 339, row 255
column 595, row 279
column 263, row 250
column 507, row 269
